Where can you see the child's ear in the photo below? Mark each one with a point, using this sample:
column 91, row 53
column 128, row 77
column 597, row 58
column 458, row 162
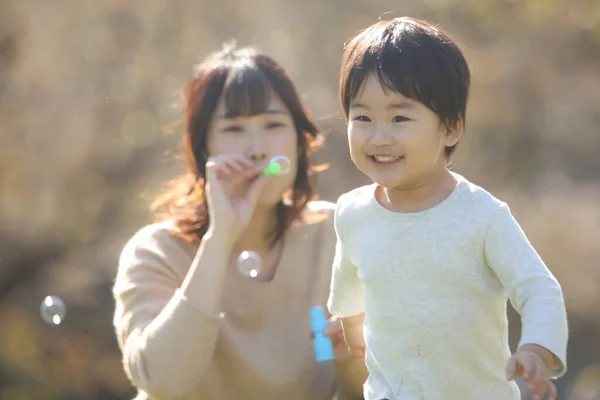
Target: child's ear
column 453, row 133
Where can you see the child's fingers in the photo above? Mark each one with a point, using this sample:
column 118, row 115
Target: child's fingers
column 529, row 372
column 530, row 368
column 538, row 376
column 337, row 338
column 533, row 372
column 539, row 389
column 512, row 368
column 541, row 385
column 334, row 327
column 357, row 348
column 552, row 394
column 333, row 330
column 357, row 352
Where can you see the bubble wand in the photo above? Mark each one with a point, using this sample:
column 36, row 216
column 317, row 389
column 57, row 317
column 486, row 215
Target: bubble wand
column 321, row 343
column 275, row 166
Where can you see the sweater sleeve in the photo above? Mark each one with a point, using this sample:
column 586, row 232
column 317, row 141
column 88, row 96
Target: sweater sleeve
column 167, row 342
column 533, row 291
column 346, row 297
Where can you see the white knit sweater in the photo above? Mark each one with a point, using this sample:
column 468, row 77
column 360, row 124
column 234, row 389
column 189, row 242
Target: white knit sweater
column 434, row 286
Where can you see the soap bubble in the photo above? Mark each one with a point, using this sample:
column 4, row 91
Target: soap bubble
column 283, row 162
column 249, row 264
column 279, row 165
column 53, row 310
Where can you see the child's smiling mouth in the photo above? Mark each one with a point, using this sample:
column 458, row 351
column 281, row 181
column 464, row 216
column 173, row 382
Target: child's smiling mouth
column 385, row 159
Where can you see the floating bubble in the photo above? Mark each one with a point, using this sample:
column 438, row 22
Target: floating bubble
column 53, row 310
column 249, row 264
column 279, row 165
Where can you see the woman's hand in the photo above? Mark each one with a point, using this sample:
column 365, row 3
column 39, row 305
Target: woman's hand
column 233, row 187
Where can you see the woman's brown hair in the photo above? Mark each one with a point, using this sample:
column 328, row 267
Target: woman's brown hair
column 244, row 78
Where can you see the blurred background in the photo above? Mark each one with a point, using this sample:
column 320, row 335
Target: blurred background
column 88, row 91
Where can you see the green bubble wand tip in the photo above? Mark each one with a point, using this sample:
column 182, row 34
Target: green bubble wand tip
column 275, row 168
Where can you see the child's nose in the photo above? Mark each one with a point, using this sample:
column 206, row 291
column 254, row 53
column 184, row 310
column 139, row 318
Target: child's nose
column 380, row 136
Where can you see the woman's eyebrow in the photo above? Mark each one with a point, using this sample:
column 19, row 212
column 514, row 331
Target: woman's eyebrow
column 270, row 111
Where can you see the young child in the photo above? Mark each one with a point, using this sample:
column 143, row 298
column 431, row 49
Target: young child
column 426, row 260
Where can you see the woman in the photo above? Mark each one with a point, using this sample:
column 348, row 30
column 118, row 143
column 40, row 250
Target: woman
column 190, row 326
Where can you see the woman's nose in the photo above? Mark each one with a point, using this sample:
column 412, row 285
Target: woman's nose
column 257, row 152
column 257, row 155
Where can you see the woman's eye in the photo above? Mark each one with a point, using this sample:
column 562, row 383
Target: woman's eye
column 399, row 118
column 232, row 128
column 362, row 118
column 275, row 125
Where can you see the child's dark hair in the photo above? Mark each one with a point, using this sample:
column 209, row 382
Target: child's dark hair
column 413, row 58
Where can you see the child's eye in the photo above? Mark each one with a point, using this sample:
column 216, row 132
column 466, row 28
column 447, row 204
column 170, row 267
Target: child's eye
column 399, row 118
column 233, row 129
column 362, row 118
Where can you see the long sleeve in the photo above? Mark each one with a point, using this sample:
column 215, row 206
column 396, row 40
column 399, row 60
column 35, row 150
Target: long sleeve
column 346, row 297
column 167, row 342
column 533, row 291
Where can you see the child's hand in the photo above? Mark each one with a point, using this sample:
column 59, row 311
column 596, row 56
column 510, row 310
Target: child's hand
column 334, row 331
column 353, row 335
column 533, row 362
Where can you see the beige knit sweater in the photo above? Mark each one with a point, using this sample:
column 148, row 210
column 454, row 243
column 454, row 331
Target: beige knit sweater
column 259, row 349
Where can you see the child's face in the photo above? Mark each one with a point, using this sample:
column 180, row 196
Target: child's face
column 396, row 141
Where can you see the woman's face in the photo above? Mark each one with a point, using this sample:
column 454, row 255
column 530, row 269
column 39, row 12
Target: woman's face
column 259, row 138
